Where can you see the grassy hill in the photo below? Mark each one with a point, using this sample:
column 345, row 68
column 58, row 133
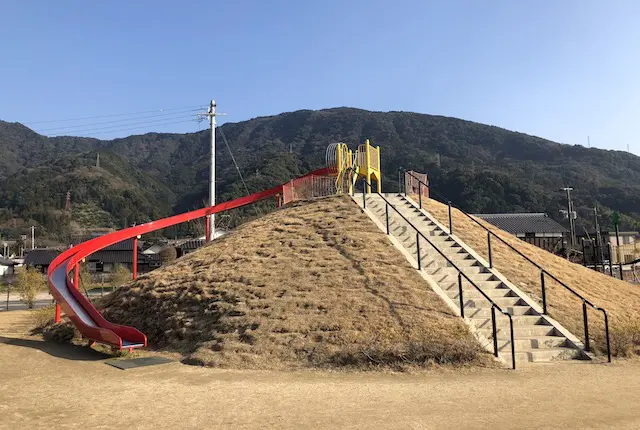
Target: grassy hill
column 481, row 168
column 295, row 289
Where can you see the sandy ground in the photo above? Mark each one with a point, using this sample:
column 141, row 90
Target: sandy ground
column 45, row 385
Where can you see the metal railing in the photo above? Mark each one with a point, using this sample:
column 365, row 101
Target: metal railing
column 461, row 274
column 543, row 272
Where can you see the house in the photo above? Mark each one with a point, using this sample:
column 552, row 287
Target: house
column 40, row 258
column 535, row 228
column 121, row 253
column 629, row 249
column 7, row 266
column 187, row 246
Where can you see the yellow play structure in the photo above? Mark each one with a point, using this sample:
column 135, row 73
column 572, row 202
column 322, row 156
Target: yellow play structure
column 364, row 162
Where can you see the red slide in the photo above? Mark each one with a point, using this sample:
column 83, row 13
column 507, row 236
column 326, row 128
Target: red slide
column 79, row 309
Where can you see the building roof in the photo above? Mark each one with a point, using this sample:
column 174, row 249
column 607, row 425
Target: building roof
column 7, row 262
column 516, row 223
column 125, row 245
column 191, row 244
column 40, row 257
column 121, row 257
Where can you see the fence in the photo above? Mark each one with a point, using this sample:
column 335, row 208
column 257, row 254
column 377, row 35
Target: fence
column 413, row 184
column 626, row 253
column 310, row 187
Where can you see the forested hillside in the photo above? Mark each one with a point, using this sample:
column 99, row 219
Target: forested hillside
column 481, row 168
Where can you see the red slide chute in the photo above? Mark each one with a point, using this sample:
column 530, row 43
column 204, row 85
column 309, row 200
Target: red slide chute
column 79, row 309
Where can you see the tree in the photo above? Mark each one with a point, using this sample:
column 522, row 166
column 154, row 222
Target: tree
column 86, row 280
column 120, row 275
column 29, row 282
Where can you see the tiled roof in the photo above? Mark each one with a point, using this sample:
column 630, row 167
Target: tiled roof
column 121, row 257
column 40, row 257
column 125, row 245
column 524, row 223
column 192, row 244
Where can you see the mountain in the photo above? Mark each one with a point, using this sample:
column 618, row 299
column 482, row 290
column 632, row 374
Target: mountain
column 480, row 168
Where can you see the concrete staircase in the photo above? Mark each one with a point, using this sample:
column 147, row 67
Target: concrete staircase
column 537, row 338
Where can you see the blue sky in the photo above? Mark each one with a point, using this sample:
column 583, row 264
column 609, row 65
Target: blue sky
column 563, row 70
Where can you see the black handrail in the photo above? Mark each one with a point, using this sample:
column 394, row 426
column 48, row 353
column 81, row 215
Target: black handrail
column 461, row 274
column 543, row 271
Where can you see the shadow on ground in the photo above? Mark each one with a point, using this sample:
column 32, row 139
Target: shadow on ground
column 65, row 351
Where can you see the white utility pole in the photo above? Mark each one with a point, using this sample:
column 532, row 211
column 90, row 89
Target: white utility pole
column 33, row 237
column 211, row 114
column 212, row 179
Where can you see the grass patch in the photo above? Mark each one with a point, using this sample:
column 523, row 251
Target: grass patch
column 313, row 285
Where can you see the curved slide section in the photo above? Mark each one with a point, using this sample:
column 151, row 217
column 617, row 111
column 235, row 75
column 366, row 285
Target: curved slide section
column 81, row 311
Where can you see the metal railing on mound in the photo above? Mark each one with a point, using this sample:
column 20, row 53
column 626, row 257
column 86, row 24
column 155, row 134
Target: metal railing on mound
column 543, row 272
column 461, row 274
column 310, row 187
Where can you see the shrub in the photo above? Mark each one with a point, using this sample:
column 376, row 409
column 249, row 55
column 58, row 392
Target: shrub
column 42, row 317
column 29, row 282
column 168, row 254
column 120, row 276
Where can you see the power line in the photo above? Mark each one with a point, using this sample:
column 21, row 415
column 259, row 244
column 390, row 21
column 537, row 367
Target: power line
column 234, row 160
column 141, row 126
column 110, row 116
column 142, row 123
column 113, row 121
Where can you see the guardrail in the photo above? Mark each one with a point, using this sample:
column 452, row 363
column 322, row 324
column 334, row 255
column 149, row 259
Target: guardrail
column 543, row 272
column 494, row 305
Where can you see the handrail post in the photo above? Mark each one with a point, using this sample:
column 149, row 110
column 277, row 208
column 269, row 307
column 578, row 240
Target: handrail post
column 420, row 194
column 386, row 209
column 606, row 330
column 418, row 251
column 544, row 293
column 495, row 331
column 513, row 343
column 610, row 260
column 364, row 195
column 450, row 220
column 586, row 326
column 460, row 293
column 489, row 247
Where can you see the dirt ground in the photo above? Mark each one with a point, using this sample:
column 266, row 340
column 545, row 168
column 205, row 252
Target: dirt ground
column 45, row 385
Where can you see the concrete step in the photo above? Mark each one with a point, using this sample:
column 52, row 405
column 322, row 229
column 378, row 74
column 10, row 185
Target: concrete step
column 502, row 321
column 540, row 355
column 519, row 331
column 475, row 277
column 529, row 343
column 473, row 312
column 496, row 293
column 448, row 270
column 452, row 271
column 503, row 302
column 483, row 285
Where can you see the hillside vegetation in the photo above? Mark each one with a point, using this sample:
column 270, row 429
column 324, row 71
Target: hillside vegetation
column 480, row 168
column 313, row 285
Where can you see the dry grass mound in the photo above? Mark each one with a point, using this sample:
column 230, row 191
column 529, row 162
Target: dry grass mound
column 312, row 285
column 620, row 299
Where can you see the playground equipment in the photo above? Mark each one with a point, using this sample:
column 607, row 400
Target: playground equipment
column 347, row 165
column 94, row 326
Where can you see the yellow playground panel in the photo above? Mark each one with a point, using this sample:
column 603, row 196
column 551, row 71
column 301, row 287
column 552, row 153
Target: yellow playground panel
column 365, row 162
